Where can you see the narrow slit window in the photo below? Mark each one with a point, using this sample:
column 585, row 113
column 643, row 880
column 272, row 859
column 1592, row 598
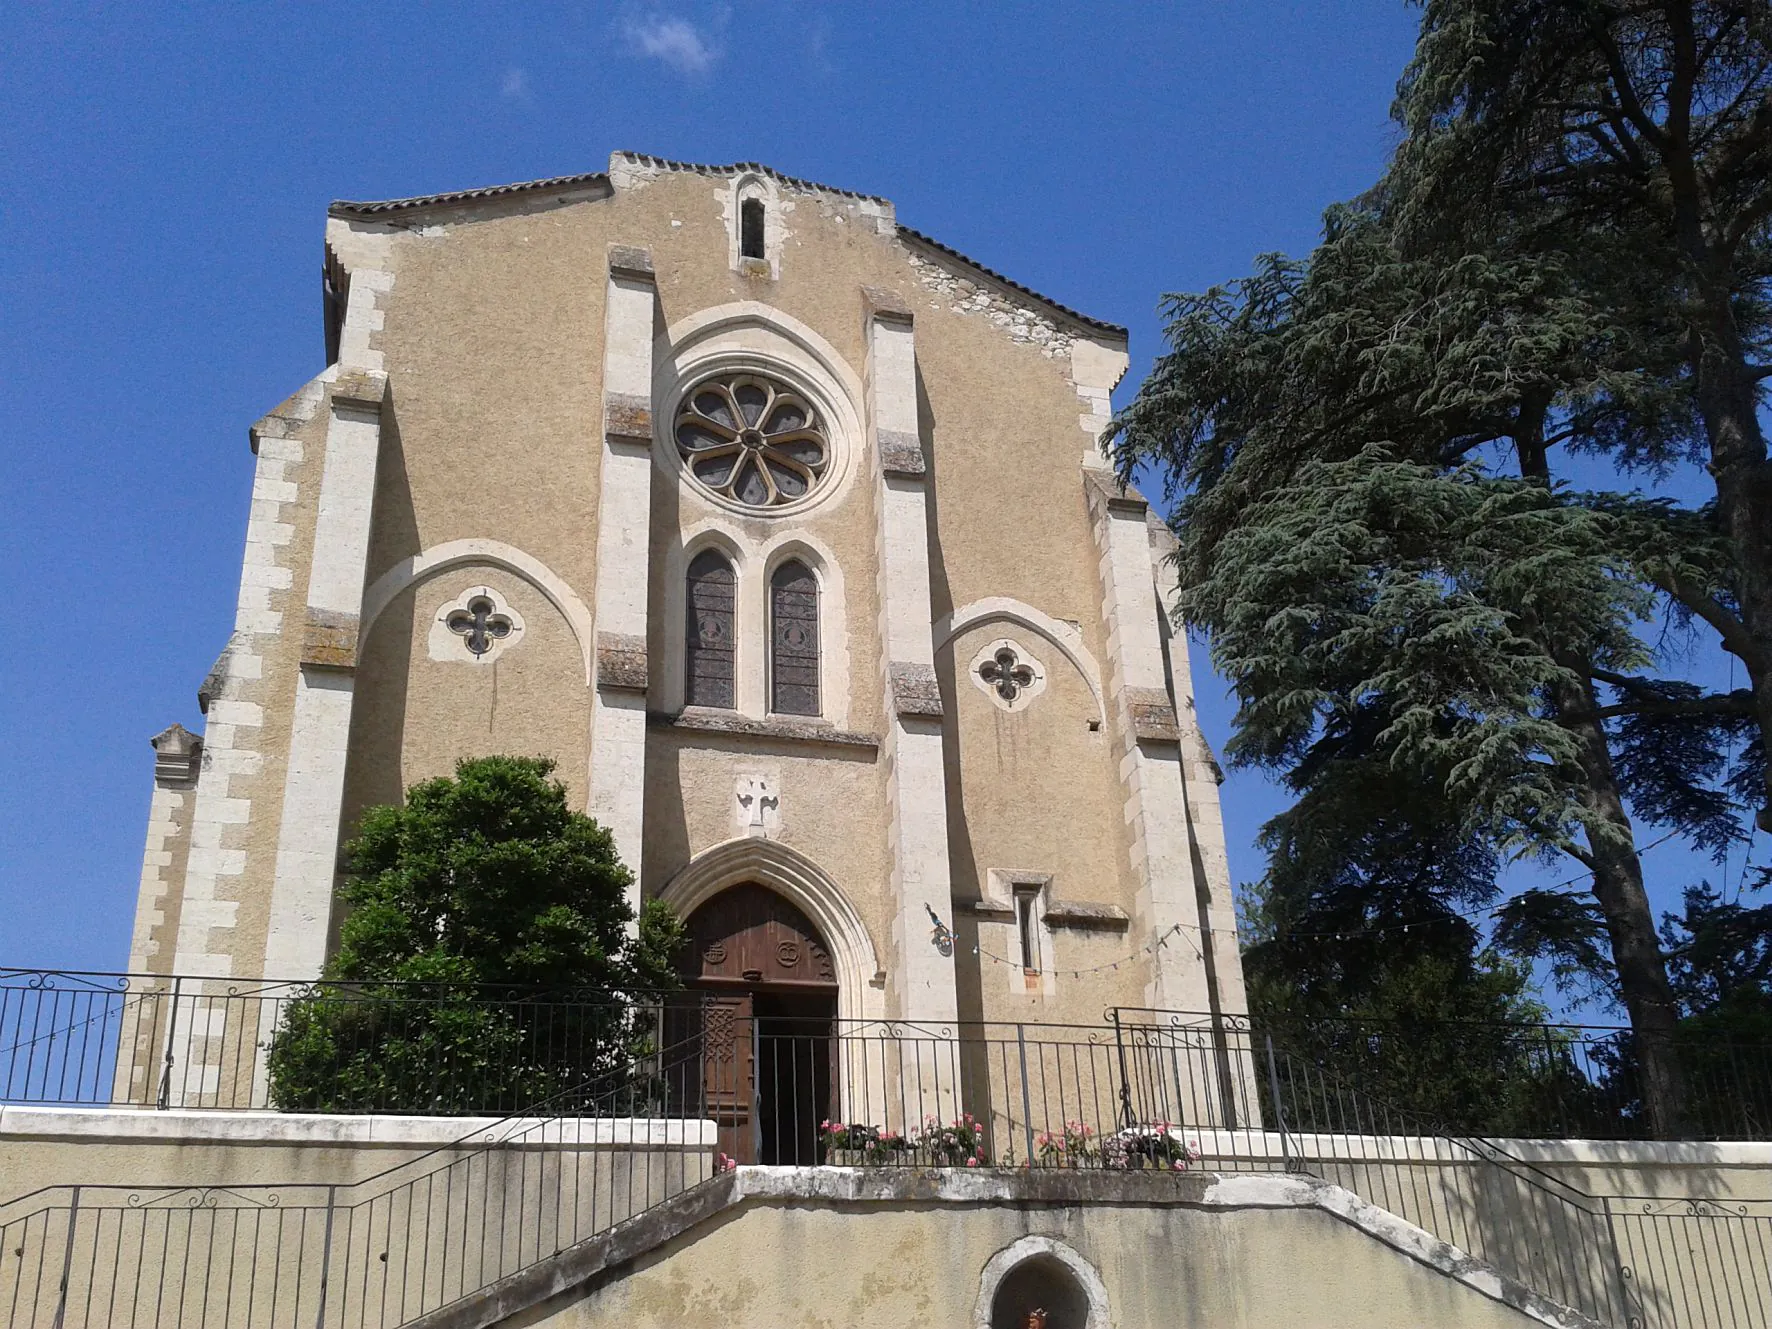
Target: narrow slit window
column 1027, row 904
column 750, row 228
column 793, row 641
column 708, row 650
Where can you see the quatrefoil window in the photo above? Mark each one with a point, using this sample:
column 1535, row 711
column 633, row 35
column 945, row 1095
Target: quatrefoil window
column 479, row 625
column 1008, row 674
column 753, row 440
column 475, row 628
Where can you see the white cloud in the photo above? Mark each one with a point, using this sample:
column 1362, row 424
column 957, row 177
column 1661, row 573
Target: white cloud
column 675, row 41
column 515, row 85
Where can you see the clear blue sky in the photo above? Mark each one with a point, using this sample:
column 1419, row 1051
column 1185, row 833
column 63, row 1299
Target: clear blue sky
column 166, row 172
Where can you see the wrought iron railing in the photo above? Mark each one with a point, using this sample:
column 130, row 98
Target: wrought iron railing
column 104, row 1039
column 168, row 1041
column 374, row 1252
column 1543, row 1081
column 1146, row 1092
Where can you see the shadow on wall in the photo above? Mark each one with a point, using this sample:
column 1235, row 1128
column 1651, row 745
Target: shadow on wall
column 962, row 858
column 378, row 712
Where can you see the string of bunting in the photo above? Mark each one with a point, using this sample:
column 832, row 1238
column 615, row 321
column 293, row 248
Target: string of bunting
column 1454, row 916
column 1150, row 948
column 1342, row 934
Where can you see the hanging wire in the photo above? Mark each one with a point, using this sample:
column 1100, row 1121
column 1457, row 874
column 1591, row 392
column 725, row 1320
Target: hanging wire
column 1150, row 948
column 1338, row 934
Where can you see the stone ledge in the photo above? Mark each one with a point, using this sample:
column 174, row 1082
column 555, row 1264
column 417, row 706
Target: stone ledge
column 569, row 1272
column 329, row 639
column 901, row 454
column 1086, row 917
column 191, row 1126
column 1103, row 488
column 1153, row 716
column 627, row 419
column 633, row 262
column 361, row 388
column 915, row 689
column 706, row 720
column 884, row 304
column 621, row 661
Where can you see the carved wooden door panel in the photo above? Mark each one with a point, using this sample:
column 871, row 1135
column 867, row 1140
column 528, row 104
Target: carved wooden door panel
column 771, row 999
column 750, row 935
column 729, row 1073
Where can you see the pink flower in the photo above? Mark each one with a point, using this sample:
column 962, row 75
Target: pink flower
column 971, row 1162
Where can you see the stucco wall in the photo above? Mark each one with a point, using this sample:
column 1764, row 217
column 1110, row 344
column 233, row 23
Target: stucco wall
column 417, row 715
column 187, row 1219
column 483, row 325
column 834, row 1264
column 1673, row 1254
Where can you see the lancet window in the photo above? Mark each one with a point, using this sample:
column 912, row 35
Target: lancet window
column 793, row 640
column 708, row 654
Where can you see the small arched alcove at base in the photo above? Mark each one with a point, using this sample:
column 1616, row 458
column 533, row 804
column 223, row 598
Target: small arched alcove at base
column 1045, row 1274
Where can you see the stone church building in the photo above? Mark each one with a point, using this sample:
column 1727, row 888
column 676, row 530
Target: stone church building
column 784, row 530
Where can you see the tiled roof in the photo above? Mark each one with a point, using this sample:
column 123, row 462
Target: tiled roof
column 346, row 208
column 385, row 206
column 746, row 168
column 1010, row 282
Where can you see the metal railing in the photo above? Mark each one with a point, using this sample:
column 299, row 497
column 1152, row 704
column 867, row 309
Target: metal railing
column 167, row 1041
column 1545, row 1081
column 103, row 1039
column 1143, row 1091
column 374, row 1252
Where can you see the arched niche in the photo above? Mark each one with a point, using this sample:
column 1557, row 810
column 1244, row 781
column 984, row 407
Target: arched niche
column 1040, row 1272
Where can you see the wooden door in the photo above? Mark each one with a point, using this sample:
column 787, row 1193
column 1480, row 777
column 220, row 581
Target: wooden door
column 770, row 993
column 729, row 1072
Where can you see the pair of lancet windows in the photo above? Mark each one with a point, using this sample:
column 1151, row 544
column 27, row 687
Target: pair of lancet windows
column 710, row 656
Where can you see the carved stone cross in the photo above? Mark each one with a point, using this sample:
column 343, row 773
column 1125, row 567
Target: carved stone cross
column 1007, row 673
column 759, row 806
column 479, row 625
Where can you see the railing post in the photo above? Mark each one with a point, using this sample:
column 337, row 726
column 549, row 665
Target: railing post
column 1273, row 1080
column 325, row 1257
column 756, row 1089
column 1620, row 1271
column 163, row 1099
column 61, row 1300
column 1027, row 1109
column 1126, row 1115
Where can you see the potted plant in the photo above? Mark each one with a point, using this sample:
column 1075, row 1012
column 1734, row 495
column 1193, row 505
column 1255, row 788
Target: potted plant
column 1155, row 1146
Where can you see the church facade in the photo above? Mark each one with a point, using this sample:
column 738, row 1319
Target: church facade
column 784, row 531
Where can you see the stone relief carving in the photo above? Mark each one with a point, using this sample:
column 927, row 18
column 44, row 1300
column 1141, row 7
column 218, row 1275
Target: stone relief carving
column 757, row 806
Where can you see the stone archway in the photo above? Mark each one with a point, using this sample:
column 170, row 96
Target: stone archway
column 769, row 1005
column 795, row 877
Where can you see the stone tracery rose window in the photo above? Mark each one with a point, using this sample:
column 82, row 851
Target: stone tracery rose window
column 752, row 439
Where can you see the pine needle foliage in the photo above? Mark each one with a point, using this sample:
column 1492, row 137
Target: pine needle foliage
column 1358, row 452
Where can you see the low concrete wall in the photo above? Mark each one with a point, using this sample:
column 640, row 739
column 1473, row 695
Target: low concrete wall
column 880, row 1249
column 1676, row 1233
column 43, row 1147
column 198, row 1218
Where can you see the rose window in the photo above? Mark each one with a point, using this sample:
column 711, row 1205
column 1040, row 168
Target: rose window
column 752, row 440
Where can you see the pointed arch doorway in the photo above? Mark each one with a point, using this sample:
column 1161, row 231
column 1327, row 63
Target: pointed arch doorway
column 769, row 1010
